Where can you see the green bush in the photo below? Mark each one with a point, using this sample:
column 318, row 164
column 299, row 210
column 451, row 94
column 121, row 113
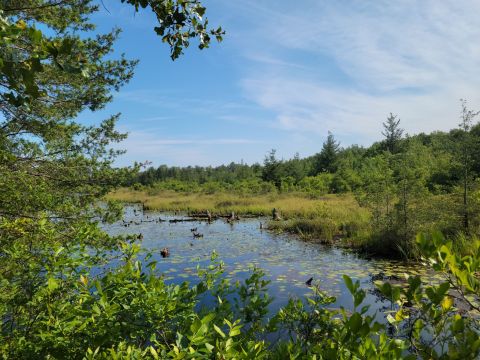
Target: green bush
column 130, row 313
column 319, row 184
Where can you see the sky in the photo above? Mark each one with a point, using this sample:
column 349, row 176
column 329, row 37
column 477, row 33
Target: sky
column 288, row 72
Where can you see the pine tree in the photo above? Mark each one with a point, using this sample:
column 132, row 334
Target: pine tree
column 326, row 160
column 54, row 170
column 392, row 132
column 272, row 168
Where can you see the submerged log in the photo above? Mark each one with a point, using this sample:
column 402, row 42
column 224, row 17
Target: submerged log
column 183, row 220
column 222, row 216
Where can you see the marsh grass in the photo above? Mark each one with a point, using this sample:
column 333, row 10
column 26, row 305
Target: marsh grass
column 328, row 218
column 290, row 204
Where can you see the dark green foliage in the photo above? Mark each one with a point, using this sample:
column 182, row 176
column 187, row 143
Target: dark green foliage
column 326, row 160
column 23, row 68
column 224, row 174
column 392, row 132
column 272, row 169
column 179, row 22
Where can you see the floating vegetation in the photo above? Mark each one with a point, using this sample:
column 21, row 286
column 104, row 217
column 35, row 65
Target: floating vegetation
column 287, row 261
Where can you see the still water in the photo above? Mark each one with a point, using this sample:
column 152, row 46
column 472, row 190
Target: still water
column 287, row 260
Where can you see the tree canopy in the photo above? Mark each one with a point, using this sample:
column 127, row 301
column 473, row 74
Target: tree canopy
column 326, row 159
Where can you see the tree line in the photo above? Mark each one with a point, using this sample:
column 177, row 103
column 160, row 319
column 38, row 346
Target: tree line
column 455, row 161
column 409, row 182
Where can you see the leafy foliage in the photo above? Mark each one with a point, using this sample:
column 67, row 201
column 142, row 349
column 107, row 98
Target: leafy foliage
column 53, row 169
column 179, row 22
column 129, row 312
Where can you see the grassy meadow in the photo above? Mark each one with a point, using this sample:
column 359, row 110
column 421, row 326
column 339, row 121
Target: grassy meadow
column 336, row 219
column 291, row 205
column 328, row 218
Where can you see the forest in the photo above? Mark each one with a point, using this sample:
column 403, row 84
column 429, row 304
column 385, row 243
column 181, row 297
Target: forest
column 78, row 281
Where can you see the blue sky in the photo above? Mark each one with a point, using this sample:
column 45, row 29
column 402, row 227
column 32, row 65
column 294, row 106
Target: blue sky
column 289, row 72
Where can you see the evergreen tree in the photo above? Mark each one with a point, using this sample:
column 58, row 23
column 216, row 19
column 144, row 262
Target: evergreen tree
column 53, row 169
column 272, row 168
column 326, row 160
column 392, row 132
column 411, row 173
column 295, row 168
column 377, row 190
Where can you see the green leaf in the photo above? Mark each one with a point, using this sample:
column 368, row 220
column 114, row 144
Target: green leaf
column 153, row 352
column 218, row 330
column 355, row 322
column 209, row 347
column 359, row 297
column 348, row 282
column 52, row 284
column 234, row 331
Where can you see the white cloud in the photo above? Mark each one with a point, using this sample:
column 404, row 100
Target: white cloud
column 413, row 58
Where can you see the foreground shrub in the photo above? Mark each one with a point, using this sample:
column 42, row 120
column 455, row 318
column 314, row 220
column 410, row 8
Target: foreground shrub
column 129, row 312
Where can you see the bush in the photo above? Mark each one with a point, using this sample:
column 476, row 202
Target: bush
column 130, row 312
column 319, row 184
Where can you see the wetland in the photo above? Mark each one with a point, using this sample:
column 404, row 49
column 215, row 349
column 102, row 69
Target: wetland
column 287, row 260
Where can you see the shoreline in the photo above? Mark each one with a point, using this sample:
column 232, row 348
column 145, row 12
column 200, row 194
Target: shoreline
column 309, row 226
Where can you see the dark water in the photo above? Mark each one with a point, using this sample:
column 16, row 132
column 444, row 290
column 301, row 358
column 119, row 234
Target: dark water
column 287, row 260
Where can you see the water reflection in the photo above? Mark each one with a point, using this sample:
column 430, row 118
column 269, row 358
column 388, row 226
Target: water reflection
column 287, row 261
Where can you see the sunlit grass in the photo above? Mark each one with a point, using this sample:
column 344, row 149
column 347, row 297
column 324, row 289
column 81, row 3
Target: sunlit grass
column 290, row 204
column 324, row 218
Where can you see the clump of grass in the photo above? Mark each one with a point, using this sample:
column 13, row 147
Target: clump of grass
column 321, row 230
column 465, row 245
column 330, row 223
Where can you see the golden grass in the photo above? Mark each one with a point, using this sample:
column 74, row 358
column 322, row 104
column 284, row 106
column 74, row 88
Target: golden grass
column 330, row 218
column 322, row 219
column 290, row 205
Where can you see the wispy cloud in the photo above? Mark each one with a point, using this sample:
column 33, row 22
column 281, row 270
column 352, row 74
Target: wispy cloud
column 177, row 100
column 412, row 58
column 161, row 142
column 288, row 72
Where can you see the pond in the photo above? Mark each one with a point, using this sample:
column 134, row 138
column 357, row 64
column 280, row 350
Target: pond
column 287, row 260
